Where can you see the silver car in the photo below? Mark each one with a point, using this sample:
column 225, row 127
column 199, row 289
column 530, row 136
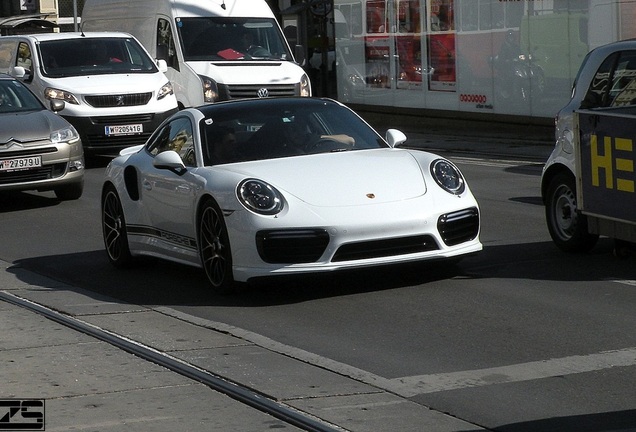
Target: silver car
column 39, row 150
column 605, row 79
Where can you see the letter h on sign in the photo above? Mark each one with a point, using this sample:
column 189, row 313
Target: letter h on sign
column 605, row 161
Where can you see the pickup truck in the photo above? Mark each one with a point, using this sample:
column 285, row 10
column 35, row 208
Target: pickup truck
column 588, row 182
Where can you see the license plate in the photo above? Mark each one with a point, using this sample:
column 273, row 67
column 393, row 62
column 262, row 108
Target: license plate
column 20, row 163
column 124, row 129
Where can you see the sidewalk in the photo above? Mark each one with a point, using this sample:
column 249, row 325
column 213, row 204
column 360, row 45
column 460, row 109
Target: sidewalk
column 87, row 383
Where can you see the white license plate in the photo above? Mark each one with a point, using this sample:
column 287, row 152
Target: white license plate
column 124, row 129
column 20, row 163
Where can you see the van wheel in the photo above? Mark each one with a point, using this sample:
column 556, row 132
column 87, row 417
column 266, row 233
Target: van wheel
column 566, row 224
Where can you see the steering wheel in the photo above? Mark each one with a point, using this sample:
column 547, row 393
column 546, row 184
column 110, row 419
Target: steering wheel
column 258, row 51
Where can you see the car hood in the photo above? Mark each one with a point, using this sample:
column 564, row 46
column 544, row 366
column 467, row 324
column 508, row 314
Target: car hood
column 352, row 178
column 268, row 71
column 29, row 126
column 109, row 83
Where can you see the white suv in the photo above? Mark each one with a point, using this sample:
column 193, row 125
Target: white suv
column 115, row 94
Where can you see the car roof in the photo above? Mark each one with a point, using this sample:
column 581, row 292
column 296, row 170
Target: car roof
column 41, row 37
column 267, row 103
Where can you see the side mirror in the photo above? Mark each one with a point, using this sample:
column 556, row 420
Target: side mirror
column 18, row 72
column 395, row 137
column 57, row 105
column 299, row 54
column 169, row 160
column 162, row 65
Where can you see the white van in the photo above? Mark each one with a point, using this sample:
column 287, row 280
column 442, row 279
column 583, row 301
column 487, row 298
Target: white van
column 215, row 50
column 115, row 94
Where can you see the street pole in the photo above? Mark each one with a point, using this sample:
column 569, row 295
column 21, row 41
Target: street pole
column 75, row 15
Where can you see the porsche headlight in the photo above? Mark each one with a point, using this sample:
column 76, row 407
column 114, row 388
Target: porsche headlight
column 260, row 197
column 53, row 93
column 448, row 176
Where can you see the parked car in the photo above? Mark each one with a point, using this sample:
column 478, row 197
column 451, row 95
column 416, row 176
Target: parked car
column 39, row 150
column 281, row 186
column 604, row 81
column 115, row 94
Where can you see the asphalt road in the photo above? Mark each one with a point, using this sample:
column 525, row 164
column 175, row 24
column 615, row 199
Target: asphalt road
column 519, row 337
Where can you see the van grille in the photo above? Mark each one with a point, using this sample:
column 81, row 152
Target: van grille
column 115, row 141
column 108, row 101
column 252, row 90
column 122, row 119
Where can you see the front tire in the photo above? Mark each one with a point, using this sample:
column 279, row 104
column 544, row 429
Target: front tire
column 114, row 229
column 214, row 248
column 566, row 224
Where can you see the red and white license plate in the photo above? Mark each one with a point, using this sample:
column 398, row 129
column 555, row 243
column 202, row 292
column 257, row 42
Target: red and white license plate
column 20, row 163
column 124, row 129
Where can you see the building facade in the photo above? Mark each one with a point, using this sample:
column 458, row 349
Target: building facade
column 496, row 57
column 486, row 57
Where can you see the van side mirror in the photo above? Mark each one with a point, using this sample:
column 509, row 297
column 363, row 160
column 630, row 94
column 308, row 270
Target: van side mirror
column 162, row 65
column 57, row 105
column 299, row 54
column 18, row 72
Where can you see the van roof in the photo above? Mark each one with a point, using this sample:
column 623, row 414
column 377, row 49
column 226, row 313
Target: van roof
column 40, row 37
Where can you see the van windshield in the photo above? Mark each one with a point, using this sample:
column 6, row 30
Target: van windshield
column 236, row 39
column 94, row 56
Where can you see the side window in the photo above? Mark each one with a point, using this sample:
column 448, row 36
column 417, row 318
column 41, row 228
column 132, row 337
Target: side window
column 177, row 136
column 6, row 51
column 165, row 44
column 597, row 94
column 623, row 90
column 24, row 56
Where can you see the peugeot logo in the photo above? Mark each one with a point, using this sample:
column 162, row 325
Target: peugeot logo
column 262, row 92
column 119, row 100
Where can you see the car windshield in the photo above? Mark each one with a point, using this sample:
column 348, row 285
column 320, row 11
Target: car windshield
column 94, row 56
column 256, row 131
column 14, row 97
column 236, row 39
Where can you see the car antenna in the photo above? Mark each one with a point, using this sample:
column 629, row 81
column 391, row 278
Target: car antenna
column 223, row 4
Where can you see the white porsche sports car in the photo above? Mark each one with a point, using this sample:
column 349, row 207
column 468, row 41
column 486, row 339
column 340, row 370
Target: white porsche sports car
column 273, row 186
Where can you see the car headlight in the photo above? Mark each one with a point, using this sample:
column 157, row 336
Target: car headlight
column 305, row 86
column 448, row 176
column 165, row 90
column 260, row 197
column 210, row 89
column 53, row 93
column 68, row 135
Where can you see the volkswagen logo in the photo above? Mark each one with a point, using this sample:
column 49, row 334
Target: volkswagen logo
column 262, row 92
